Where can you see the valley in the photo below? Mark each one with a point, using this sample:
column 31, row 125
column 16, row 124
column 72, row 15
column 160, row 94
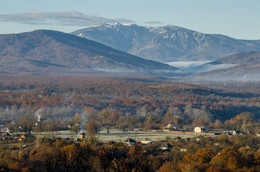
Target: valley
column 124, row 119
column 123, row 97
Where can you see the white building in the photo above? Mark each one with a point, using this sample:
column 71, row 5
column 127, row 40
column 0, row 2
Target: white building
column 199, row 130
column 6, row 130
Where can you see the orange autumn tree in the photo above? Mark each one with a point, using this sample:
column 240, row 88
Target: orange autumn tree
column 228, row 158
column 197, row 161
column 240, row 122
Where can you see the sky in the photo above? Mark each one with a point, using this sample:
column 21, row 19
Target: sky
column 235, row 18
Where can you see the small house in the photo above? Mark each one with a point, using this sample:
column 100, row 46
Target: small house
column 6, row 130
column 177, row 139
column 231, row 132
column 235, row 132
column 22, row 137
column 6, row 134
column 129, row 142
column 82, row 136
column 170, row 127
column 165, row 147
column 199, row 130
column 147, row 142
column 183, row 150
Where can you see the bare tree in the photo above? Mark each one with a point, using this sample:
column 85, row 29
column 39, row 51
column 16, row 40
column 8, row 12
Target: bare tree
column 92, row 127
column 27, row 121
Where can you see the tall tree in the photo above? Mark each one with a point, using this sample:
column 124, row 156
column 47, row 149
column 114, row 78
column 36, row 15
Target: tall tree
column 108, row 118
column 27, row 121
column 92, row 127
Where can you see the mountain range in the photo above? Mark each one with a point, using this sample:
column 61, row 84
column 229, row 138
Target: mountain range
column 46, row 52
column 49, row 52
column 167, row 43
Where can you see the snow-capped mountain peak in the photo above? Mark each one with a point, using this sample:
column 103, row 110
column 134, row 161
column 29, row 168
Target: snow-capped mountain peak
column 169, row 43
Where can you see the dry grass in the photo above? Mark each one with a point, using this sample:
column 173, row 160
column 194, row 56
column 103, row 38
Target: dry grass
column 118, row 135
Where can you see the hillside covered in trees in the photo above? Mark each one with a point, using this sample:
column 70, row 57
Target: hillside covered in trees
column 144, row 102
column 125, row 103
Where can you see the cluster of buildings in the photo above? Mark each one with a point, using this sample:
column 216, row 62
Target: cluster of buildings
column 171, row 127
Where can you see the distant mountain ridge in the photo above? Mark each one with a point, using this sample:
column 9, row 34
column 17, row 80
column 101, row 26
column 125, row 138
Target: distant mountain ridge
column 52, row 52
column 167, row 43
column 241, row 67
column 244, row 58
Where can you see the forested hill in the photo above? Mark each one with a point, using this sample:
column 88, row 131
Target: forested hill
column 44, row 52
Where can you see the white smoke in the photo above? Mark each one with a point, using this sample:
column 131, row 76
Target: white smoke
column 37, row 114
column 83, row 122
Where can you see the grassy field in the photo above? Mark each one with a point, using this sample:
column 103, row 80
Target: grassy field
column 118, row 135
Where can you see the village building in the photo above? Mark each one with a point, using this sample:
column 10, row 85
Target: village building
column 170, row 127
column 231, row 132
column 199, row 130
column 145, row 142
column 129, row 142
column 5, row 130
column 165, row 147
column 82, row 136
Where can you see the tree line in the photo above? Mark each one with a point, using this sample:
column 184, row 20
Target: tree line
column 146, row 103
column 222, row 153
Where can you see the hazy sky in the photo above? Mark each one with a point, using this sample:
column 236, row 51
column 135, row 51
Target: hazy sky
column 235, row 18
